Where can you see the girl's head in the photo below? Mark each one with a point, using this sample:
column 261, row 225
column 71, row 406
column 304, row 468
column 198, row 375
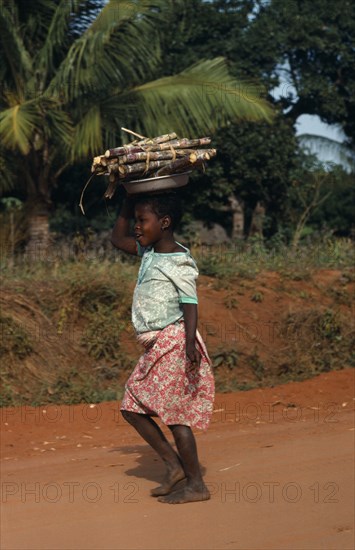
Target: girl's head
column 163, row 205
column 156, row 217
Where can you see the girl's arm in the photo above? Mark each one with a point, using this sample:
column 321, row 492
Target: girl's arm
column 121, row 232
column 190, row 318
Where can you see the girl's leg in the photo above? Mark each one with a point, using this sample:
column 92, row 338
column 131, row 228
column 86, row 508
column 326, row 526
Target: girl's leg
column 195, row 489
column 152, row 434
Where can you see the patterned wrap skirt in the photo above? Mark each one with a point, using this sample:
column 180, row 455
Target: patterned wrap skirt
column 160, row 384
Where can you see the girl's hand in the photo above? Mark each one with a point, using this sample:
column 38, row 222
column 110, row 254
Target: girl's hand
column 193, row 356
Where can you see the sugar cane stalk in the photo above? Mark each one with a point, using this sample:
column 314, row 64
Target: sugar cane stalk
column 191, row 161
column 153, row 155
column 140, row 167
column 173, row 144
column 159, row 139
column 111, row 188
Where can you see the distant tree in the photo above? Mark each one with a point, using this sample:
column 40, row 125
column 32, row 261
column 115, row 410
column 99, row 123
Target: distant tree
column 308, row 47
column 337, row 209
column 255, row 164
column 206, row 29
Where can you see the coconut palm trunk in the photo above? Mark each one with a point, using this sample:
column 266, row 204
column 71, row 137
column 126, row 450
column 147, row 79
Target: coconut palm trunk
column 37, row 174
column 38, row 210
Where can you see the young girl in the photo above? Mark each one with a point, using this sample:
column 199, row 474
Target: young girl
column 173, row 378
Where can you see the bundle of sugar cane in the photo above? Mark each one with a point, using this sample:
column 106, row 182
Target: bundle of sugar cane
column 151, row 157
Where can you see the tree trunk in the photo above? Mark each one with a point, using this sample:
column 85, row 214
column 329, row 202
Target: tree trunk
column 237, row 209
column 257, row 221
column 38, row 232
column 37, row 209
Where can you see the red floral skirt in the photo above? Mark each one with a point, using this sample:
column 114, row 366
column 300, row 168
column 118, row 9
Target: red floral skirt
column 161, row 386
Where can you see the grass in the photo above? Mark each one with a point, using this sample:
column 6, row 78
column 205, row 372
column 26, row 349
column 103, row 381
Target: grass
column 246, row 259
column 14, row 341
column 319, row 340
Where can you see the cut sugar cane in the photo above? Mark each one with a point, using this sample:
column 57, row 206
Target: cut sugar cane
column 150, row 157
column 141, row 167
column 175, row 144
column 186, row 163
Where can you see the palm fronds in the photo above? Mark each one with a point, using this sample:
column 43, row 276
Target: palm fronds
column 7, row 171
column 119, row 47
column 200, row 98
column 330, row 148
column 56, row 34
column 15, row 56
column 88, row 134
column 17, row 125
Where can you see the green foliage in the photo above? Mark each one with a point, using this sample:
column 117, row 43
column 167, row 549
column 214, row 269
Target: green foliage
column 329, row 326
column 232, row 366
column 228, row 358
column 204, row 30
column 101, row 337
column 246, row 260
column 15, row 342
column 13, row 229
column 318, row 341
column 66, row 222
column 15, row 345
column 255, row 162
column 337, row 209
column 90, row 295
column 105, row 307
column 309, row 43
column 319, row 200
column 256, row 365
column 257, row 297
column 231, row 302
column 192, row 97
column 76, row 387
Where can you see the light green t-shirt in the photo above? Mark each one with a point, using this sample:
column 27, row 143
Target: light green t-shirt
column 165, row 282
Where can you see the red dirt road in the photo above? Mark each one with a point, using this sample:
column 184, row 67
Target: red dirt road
column 279, row 463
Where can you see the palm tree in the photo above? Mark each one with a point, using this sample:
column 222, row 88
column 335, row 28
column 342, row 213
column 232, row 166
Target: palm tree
column 330, row 147
column 66, row 94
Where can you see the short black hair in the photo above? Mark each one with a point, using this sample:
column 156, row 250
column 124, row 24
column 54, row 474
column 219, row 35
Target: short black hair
column 163, row 204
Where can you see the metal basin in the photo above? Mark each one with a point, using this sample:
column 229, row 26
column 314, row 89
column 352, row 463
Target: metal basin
column 160, row 183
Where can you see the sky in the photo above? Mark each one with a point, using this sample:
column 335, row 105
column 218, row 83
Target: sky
column 311, row 124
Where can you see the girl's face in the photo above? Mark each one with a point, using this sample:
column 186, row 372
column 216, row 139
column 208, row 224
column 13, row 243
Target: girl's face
column 148, row 228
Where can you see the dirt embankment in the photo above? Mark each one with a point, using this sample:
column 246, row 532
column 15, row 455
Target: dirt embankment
column 72, row 341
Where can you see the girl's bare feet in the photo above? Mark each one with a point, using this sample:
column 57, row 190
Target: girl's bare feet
column 187, row 494
column 171, row 479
